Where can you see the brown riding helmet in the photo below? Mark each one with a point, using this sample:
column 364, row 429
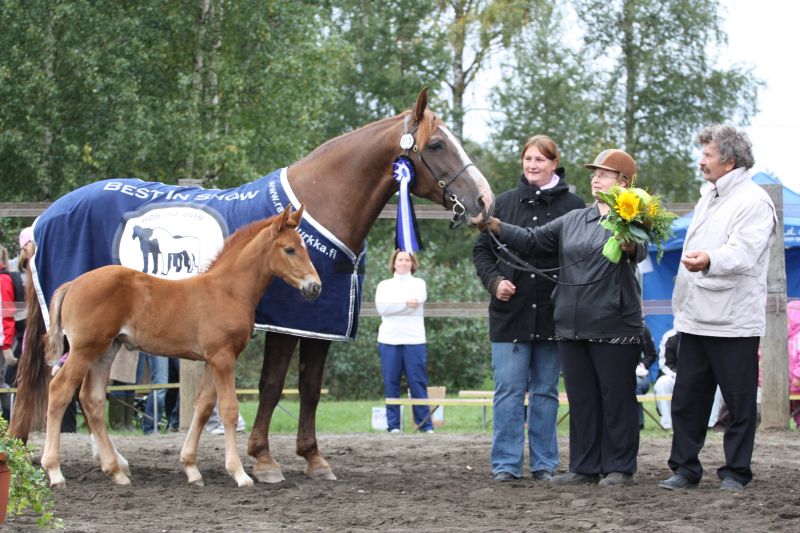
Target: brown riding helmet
column 615, row 161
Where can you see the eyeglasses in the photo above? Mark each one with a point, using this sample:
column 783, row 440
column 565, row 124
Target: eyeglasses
column 604, row 174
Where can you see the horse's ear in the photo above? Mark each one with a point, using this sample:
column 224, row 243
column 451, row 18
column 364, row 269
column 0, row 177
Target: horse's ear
column 422, row 104
column 294, row 219
column 283, row 217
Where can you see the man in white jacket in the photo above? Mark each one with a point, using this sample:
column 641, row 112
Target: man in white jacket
column 719, row 306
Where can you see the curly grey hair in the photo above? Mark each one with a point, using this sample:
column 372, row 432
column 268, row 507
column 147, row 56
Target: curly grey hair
column 733, row 145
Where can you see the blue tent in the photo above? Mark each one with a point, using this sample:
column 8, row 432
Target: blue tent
column 659, row 282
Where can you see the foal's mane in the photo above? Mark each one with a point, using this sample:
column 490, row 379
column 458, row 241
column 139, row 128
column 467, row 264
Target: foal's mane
column 239, row 239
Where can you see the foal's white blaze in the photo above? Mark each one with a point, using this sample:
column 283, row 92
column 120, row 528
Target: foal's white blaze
column 475, row 175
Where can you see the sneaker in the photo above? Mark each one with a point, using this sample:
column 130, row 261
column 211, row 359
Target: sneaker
column 677, row 482
column 241, row 427
column 616, row 478
column 394, row 430
column 428, row 431
column 731, row 484
column 573, row 478
column 502, row 477
column 219, row 430
column 542, row 475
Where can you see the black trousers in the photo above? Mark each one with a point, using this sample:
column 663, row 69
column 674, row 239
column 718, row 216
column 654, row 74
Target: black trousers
column 703, row 363
column 600, row 380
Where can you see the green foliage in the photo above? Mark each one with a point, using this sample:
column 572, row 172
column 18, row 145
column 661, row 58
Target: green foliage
column 658, row 83
column 29, row 491
column 394, row 48
column 544, row 91
column 157, row 91
column 475, row 31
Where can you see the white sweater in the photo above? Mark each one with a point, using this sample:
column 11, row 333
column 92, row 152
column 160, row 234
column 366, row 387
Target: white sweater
column 399, row 323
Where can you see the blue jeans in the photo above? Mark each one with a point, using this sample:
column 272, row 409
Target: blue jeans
column 411, row 358
column 159, row 374
column 519, row 367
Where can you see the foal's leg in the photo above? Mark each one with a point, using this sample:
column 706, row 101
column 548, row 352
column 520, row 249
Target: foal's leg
column 223, row 365
column 313, row 353
column 203, row 404
column 62, row 388
column 278, row 351
column 93, row 401
column 103, row 373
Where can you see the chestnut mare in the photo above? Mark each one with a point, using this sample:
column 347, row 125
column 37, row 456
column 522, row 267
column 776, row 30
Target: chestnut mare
column 204, row 318
column 344, row 184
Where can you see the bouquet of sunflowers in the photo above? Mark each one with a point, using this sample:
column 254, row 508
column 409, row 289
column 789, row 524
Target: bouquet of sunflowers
column 635, row 215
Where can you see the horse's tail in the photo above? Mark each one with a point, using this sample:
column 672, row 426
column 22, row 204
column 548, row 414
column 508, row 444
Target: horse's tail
column 33, row 375
column 56, row 337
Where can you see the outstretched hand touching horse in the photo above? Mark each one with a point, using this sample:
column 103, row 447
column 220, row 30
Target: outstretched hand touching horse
column 208, row 317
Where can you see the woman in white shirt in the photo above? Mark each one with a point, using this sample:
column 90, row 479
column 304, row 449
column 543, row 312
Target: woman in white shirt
column 401, row 338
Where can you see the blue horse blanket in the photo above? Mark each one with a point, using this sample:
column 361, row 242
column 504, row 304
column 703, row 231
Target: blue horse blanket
column 174, row 232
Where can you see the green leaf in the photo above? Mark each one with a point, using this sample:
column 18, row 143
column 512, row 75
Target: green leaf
column 638, row 232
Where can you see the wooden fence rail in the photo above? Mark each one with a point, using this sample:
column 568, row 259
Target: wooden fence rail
column 423, row 211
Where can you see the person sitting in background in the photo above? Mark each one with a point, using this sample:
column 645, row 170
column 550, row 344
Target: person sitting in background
column 214, row 424
column 401, row 338
column 648, row 357
column 668, row 364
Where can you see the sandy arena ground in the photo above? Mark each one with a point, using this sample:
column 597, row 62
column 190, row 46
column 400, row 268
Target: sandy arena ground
column 434, row 482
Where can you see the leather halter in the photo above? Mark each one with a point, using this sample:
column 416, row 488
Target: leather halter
column 459, row 211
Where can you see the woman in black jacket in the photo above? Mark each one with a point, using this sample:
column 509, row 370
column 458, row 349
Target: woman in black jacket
column 524, row 353
column 598, row 317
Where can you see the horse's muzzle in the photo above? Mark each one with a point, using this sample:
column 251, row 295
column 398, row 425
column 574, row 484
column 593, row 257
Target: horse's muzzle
column 484, row 213
column 311, row 289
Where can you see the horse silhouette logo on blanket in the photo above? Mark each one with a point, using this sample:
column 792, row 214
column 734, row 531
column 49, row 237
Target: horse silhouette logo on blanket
column 180, row 252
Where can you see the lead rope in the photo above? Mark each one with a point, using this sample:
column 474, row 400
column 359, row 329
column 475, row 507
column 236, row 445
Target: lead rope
column 517, row 263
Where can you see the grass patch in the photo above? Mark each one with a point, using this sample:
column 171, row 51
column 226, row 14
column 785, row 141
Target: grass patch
column 356, row 417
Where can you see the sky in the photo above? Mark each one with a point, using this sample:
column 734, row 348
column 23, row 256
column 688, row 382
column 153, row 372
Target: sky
column 762, row 34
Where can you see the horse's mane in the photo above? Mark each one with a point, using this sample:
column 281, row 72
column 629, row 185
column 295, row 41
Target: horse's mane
column 239, row 239
column 428, row 125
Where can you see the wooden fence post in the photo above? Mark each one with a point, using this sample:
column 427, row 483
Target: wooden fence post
column 774, row 349
column 191, row 378
column 191, row 371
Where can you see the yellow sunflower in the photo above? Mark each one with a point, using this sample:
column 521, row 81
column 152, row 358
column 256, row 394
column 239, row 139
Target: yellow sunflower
column 628, row 205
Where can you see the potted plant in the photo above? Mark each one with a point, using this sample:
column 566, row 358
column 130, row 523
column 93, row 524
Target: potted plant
column 23, row 485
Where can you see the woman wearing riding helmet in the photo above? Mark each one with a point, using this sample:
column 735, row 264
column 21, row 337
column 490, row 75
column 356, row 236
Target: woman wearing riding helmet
column 598, row 318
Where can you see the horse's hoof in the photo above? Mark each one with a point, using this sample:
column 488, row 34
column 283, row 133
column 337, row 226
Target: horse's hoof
column 268, row 475
column 325, row 474
column 245, row 481
column 194, row 477
column 120, row 479
column 58, row 484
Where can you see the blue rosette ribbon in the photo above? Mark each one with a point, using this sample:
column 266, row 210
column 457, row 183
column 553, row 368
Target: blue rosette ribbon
column 407, row 236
